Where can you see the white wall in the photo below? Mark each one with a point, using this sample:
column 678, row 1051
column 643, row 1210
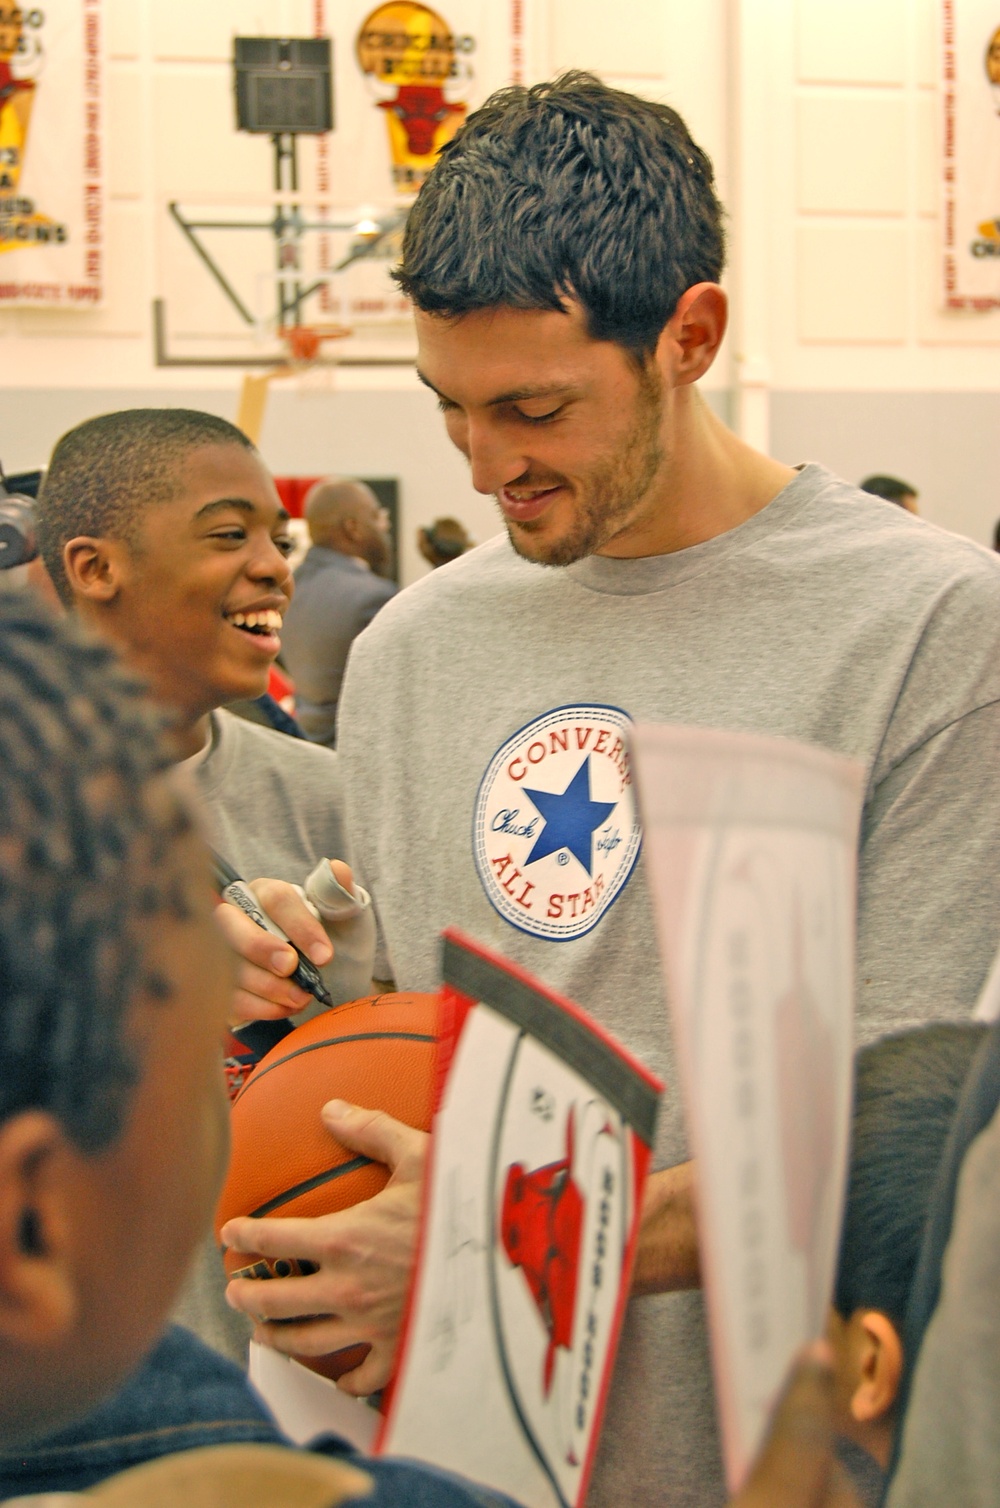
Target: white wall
column 821, row 116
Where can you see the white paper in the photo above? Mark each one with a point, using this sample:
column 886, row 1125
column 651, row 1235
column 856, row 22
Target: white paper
column 750, row 844
column 495, row 1384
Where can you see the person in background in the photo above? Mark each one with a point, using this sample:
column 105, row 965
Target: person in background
column 338, row 592
column 892, row 490
column 445, row 540
column 996, row 535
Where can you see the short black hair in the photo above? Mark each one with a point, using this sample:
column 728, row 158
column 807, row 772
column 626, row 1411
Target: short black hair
column 85, row 835
column 569, row 188
column 892, row 488
column 907, row 1089
column 105, row 473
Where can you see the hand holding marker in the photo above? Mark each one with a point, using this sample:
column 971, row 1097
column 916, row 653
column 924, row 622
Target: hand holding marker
column 236, row 890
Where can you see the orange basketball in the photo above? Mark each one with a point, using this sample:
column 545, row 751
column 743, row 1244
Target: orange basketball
column 378, row 1052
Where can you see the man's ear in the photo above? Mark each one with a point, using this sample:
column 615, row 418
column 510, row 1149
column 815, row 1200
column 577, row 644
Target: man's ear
column 690, row 340
column 880, row 1366
column 94, row 567
column 38, row 1300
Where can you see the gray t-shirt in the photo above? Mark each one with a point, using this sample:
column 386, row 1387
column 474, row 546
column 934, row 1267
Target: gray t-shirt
column 829, row 617
column 273, row 807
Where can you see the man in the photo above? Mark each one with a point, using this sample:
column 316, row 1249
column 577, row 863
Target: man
column 892, row 490
column 338, row 593
column 443, row 541
column 564, row 258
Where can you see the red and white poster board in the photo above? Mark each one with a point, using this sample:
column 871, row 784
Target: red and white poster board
column 751, row 847
column 540, row 1148
column 970, row 143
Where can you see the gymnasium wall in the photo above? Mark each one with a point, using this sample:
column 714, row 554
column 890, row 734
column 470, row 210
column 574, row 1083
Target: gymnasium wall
column 822, row 120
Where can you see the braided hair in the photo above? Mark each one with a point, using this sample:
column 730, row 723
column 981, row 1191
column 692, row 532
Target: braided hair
column 86, row 831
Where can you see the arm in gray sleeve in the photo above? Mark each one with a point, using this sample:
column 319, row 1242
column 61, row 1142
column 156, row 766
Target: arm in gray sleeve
column 929, row 880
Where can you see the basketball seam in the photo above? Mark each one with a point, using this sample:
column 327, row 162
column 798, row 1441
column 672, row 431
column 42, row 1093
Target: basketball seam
column 316, row 1182
column 260, row 1073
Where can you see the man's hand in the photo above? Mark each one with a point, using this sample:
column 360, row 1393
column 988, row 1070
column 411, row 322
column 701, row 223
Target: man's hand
column 667, row 1254
column 364, row 1257
column 264, row 991
column 796, row 1466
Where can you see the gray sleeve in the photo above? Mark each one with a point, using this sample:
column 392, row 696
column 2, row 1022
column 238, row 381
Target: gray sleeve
column 929, row 880
column 951, row 1436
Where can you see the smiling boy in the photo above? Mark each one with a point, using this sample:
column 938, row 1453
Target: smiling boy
column 163, row 531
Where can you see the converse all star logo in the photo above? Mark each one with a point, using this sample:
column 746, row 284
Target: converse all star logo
column 556, row 832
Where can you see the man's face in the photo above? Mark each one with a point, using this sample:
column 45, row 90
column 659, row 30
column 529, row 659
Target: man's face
column 373, row 543
column 137, row 1210
column 206, row 583
column 563, row 429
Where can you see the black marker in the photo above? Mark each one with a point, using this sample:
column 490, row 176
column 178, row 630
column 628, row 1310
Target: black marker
column 236, row 890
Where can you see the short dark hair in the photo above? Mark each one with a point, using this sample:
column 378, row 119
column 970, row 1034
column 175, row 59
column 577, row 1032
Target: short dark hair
column 907, row 1089
column 996, row 535
column 568, row 188
column 104, row 474
column 891, row 488
column 85, row 835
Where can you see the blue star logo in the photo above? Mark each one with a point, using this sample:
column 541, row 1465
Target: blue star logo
column 570, row 819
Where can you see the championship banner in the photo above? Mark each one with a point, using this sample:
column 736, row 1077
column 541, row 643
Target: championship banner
column 540, row 1147
column 51, row 154
column 970, row 92
column 751, row 851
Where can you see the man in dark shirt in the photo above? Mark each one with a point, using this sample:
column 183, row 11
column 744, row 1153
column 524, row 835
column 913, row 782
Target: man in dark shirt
column 338, row 593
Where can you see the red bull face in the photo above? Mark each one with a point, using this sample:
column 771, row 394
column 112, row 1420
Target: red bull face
column 421, row 108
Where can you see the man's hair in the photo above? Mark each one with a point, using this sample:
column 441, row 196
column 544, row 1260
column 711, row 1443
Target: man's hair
column 907, row 1089
column 996, row 535
column 567, row 189
column 85, row 839
column 106, row 472
column 891, row 488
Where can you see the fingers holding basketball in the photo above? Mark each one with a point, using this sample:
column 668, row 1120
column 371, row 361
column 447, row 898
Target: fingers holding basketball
column 401, row 1148
column 328, row 1184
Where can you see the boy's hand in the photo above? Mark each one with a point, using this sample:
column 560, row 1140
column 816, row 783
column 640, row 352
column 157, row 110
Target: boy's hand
column 263, row 990
column 796, row 1466
column 364, row 1257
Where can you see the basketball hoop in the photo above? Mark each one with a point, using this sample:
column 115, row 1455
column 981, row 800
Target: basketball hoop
column 304, row 342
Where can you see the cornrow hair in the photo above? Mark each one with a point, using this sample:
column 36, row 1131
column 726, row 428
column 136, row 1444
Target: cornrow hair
column 86, row 830
column 567, row 189
column 108, row 471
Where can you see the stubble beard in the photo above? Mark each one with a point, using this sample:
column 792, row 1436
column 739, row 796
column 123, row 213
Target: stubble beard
column 613, row 491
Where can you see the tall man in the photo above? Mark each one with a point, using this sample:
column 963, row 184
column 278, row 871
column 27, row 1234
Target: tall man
column 338, row 594
column 564, row 260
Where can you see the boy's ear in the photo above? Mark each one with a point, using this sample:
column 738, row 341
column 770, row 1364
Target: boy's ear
column 94, row 567
column 38, row 1301
column 880, row 1366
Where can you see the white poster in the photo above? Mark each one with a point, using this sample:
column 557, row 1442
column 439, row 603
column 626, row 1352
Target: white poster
column 751, row 847
column 51, row 154
column 970, row 93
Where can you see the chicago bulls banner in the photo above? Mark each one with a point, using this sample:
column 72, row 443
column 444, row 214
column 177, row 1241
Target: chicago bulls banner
column 51, row 189
column 539, row 1153
column 970, row 94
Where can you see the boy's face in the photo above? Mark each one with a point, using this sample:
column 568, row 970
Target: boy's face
column 118, row 1228
column 200, row 565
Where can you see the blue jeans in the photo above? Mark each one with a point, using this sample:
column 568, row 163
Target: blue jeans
column 185, row 1396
